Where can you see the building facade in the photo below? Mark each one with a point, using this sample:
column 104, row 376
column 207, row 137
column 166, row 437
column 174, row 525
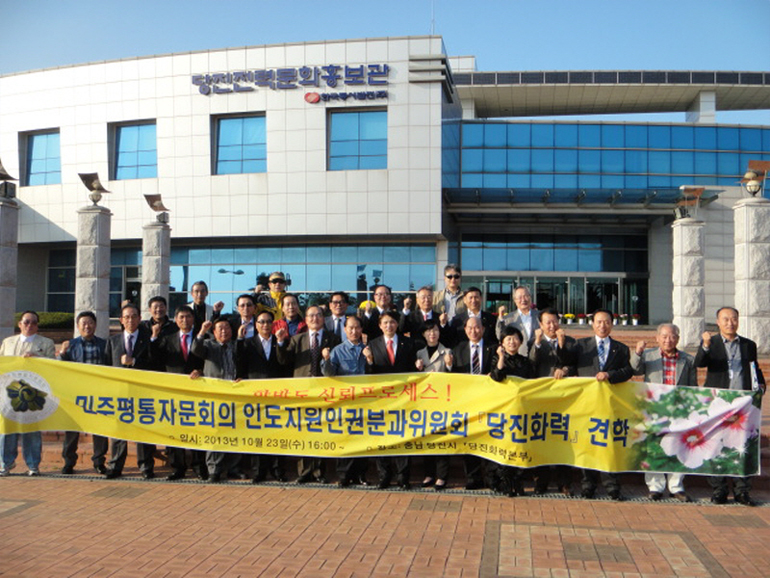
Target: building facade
column 349, row 163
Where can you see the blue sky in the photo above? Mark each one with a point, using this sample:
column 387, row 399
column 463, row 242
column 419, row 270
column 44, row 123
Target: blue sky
column 503, row 35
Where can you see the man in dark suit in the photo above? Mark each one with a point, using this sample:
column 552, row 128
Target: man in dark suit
column 172, row 353
column 370, row 317
column 604, row 359
column 545, row 354
column 221, row 362
column 731, row 361
column 87, row 348
column 131, row 349
column 472, row 301
column 303, row 354
column 526, row 318
column 473, row 356
column 258, row 359
column 335, row 323
column 202, row 311
column 391, row 353
column 412, row 323
column 247, row 308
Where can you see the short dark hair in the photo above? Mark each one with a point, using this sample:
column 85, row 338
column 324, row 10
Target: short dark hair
column 200, row 283
column 342, row 294
column 390, row 292
column 513, row 330
column 607, row 311
column 184, row 309
column 89, row 314
column 392, row 314
column 270, row 313
column 130, row 306
column 354, row 318
column 37, row 317
column 291, row 295
column 429, row 324
column 452, row 266
column 157, row 299
column 472, row 290
column 548, row 311
column 245, row 296
column 733, row 309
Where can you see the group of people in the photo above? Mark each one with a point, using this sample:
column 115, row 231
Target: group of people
column 439, row 331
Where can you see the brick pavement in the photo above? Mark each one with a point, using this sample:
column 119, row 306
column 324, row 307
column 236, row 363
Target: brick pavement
column 84, row 526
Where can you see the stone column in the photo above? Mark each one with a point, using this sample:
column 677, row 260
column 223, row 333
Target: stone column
column 9, row 256
column 92, row 272
column 689, row 297
column 156, row 263
column 752, row 269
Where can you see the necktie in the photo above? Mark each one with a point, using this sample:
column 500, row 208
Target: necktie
column 602, row 354
column 338, row 328
column 185, row 347
column 391, row 353
column 130, row 346
column 315, row 357
column 476, row 361
column 554, row 344
column 228, row 363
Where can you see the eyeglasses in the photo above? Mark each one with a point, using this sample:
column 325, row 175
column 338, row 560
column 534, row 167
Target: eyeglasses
column 28, row 322
column 264, row 321
column 452, row 276
column 277, row 281
column 336, row 302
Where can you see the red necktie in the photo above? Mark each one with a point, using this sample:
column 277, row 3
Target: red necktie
column 185, row 350
column 391, row 353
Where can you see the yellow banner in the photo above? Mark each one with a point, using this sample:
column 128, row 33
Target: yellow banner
column 529, row 423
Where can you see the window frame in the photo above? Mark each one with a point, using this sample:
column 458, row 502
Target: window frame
column 215, row 145
column 359, row 156
column 25, row 142
column 114, row 130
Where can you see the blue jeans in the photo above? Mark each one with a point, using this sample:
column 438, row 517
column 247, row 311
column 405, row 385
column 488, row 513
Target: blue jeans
column 32, row 448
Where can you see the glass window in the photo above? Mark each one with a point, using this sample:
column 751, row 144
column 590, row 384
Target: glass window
column 612, row 161
column 519, row 181
column 369, row 254
column 542, row 259
column 495, row 135
column 613, row 136
column 344, row 254
column 682, row 163
column 636, row 161
column 565, row 181
column 566, row 135
column 751, row 139
column 43, row 159
column 518, row 160
column 706, row 138
column 241, row 145
column 636, row 137
column 472, row 180
column 728, row 164
column 542, row 160
column 519, row 135
column 567, row 160
column 495, row 258
column 473, row 160
column 589, row 135
column 660, row 137
column 61, row 280
column 495, row 160
column 682, row 137
column 358, row 140
column 494, row 181
column 136, row 155
column 728, row 139
column 61, row 258
column 590, row 161
column 660, row 162
column 542, row 181
column 473, row 135
column 542, row 135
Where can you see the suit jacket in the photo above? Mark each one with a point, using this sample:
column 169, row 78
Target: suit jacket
column 75, row 350
column 208, row 315
column 438, row 303
column 252, row 361
column 412, row 325
column 515, row 319
column 434, row 362
column 39, row 346
column 295, row 353
column 456, row 334
column 213, row 353
column 545, row 360
column 650, row 365
column 329, row 326
column 371, row 325
column 167, row 355
column 513, row 365
column 405, row 356
column 586, row 356
column 116, row 348
column 462, row 354
column 715, row 359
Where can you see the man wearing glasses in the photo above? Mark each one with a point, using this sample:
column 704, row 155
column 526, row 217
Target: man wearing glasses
column 370, row 320
column 449, row 300
column 27, row 344
column 335, row 323
column 271, row 300
column 246, row 308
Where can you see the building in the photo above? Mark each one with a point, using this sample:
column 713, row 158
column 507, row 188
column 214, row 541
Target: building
column 347, row 163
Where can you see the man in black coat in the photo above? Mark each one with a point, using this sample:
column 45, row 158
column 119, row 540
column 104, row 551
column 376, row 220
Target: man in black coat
column 472, row 301
column 731, row 361
column 606, row 360
column 391, row 353
column 131, row 349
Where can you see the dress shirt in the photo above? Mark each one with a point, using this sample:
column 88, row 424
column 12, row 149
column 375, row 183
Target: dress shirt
column 606, row 344
column 734, row 365
column 135, row 336
column 249, row 328
column 394, row 339
column 526, row 323
column 91, row 353
column 450, row 302
column 480, row 346
column 266, row 346
column 669, row 367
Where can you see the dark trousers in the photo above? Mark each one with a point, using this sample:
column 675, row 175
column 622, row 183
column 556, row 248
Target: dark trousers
column 386, row 466
column 561, row 475
column 590, row 481
column 70, row 449
column 144, row 456
column 474, row 469
column 262, row 464
column 719, row 485
column 220, row 462
column 352, row 469
column 315, row 467
column 436, row 467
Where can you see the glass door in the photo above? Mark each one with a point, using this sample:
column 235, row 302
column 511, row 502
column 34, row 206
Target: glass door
column 602, row 293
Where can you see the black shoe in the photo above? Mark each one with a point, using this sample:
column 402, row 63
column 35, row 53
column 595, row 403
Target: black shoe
column 148, row 474
column 615, row 496
column 744, row 499
column 719, row 499
column 427, row 483
column 175, row 475
column 383, row 483
column 100, row 469
column 343, row 483
column 541, row 490
column 682, row 497
column 362, row 481
column 321, row 480
column 588, row 494
column 68, row 470
column 112, row 474
column 305, row 478
column 403, row 483
column 567, row 491
column 258, row 479
column 518, row 489
column 656, row 496
column 279, row 476
column 474, row 485
column 439, row 487
column 203, row 474
column 215, row 478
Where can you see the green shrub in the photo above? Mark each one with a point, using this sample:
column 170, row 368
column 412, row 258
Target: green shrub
column 53, row 320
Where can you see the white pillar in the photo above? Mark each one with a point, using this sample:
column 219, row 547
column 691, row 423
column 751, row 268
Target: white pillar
column 9, row 256
column 689, row 297
column 92, row 273
column 156, row 263
column 752, row 269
